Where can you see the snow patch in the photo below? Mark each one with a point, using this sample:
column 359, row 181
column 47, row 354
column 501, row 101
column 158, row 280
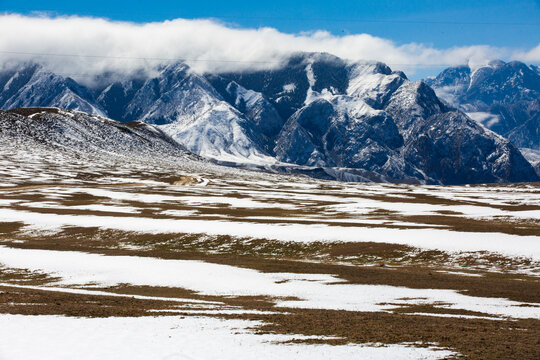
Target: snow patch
column 172, row 338
column 314, row 291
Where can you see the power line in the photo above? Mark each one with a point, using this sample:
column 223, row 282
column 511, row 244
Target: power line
column 133, row 57
column 192, row 60
column 381, row 21
column 353, row 83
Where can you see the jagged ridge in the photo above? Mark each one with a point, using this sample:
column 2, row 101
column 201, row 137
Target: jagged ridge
column 354, row 121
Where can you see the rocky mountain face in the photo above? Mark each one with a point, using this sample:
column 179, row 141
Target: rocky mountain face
column 77, row 132
column 32, row 85
column 505, row 97
column 339, row 120
column 188, row 108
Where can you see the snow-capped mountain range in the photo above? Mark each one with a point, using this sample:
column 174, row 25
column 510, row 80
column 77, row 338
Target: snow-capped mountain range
column 359, row 121
column 504, row 97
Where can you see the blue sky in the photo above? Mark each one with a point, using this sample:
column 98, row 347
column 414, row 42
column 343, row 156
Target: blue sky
column 444, row 24
column 420, row 37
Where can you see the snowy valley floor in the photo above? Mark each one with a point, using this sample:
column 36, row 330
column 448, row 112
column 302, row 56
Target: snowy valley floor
column 136, row 260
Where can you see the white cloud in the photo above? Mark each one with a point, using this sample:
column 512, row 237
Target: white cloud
column 209, row 46
column 532, row 55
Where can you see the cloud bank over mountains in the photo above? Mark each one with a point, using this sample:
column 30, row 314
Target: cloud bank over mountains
column 82, row 46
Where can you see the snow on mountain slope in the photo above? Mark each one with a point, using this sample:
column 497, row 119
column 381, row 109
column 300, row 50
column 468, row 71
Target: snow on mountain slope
column 33, row 85
column 344, row 132
column 359, row 121
column 332, row 127
column 374, row 83
column 219, row 133
column 449, row 146
column 412, row 103
column 413, row 135
column 504, row 97
column 257, row 109
column 287, row 87
column 444, row 151
column 175, row 94
column 191, row 111
column 77, row 132
column 532, row 156
column 264, row 120
column 519, row 122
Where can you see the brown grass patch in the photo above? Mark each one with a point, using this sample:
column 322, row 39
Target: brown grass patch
column 16, row 300
column 464, row 224
column 475, row 338
column 10, row 227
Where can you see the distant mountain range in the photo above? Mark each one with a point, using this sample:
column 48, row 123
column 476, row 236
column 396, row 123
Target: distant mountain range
column 504, row 97
column 358, row 122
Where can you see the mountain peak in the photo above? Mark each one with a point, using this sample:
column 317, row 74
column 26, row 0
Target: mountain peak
column 350, row 120
column 502, row 96
column 496, row 63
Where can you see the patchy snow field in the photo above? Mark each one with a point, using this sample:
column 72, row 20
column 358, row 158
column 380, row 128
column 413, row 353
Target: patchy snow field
column 107, row 258
column 313, row 291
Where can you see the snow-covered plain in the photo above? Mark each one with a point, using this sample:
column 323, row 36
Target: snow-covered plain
column 171, row 338
column 50, row 192
column 315, row 291
column 432, row 239
column 248, row 205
